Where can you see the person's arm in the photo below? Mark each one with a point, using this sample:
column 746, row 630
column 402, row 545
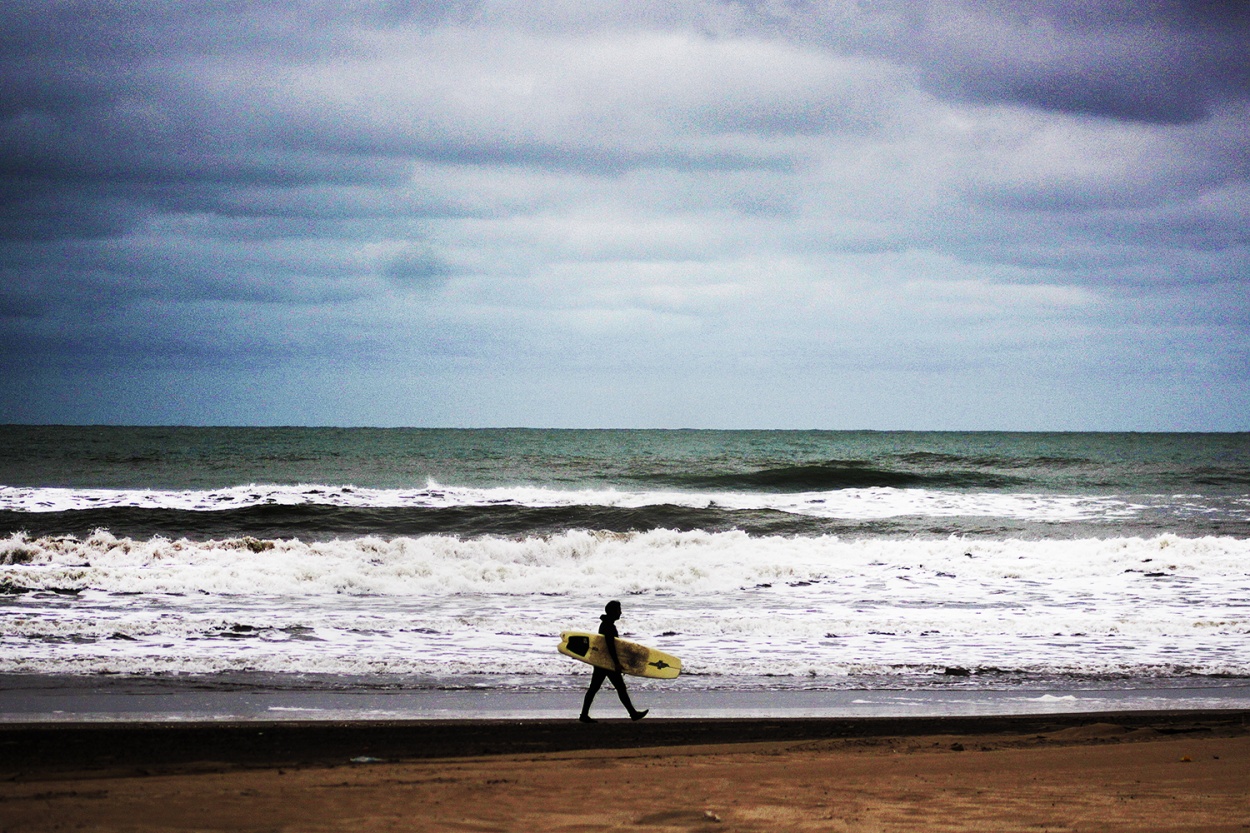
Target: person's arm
column 610, row 638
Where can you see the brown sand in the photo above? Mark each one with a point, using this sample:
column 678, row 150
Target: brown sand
column 1167, row 772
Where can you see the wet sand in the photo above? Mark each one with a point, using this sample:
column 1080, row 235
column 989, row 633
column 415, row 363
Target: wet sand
column 1126, row 771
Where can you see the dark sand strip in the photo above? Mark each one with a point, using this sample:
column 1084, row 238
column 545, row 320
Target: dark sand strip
column 30, row 749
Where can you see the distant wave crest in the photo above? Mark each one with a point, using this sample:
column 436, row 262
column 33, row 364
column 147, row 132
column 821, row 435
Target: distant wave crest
column 839, row 475
column 318, row 510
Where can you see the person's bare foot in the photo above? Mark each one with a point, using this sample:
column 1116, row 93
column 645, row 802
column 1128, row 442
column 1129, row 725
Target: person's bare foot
column 585, row 718
column 639, row 715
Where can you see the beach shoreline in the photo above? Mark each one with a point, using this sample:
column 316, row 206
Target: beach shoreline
column 50, row 698
column 1177, row 770
column 33, row 748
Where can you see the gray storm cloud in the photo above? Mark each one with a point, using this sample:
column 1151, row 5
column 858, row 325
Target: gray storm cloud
column 729, row 214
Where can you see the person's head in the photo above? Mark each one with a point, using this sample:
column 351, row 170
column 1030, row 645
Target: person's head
column 613, row 609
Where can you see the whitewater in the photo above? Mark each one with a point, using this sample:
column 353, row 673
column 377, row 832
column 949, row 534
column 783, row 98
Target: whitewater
column 733, row 605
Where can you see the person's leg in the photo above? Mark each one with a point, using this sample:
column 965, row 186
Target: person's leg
column 596, row 680
column 618, row 683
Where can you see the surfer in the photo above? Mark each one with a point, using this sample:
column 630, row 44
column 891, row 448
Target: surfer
column 607, row 627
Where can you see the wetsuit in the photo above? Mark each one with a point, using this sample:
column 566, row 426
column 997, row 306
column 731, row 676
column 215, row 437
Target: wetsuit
column 607, row 627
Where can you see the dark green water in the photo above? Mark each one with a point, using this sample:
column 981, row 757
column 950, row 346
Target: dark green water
column 212, row 458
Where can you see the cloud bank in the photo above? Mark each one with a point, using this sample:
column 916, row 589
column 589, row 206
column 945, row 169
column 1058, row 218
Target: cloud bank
column 711, row 214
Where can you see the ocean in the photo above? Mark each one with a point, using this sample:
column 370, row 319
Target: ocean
column 318, row 572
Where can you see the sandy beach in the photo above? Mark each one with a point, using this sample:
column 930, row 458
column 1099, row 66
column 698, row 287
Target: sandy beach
column 1129, row 771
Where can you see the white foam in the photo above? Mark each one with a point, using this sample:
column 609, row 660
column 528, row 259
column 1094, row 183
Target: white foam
column 857, row 504
column 730, row 604
column 656, row 561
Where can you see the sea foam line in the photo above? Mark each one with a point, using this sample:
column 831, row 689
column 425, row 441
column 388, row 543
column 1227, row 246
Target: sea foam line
column 641, row 562
column 852, row 504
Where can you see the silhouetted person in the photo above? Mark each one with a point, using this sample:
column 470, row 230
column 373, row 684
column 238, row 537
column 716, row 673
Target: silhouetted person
column 607, row 627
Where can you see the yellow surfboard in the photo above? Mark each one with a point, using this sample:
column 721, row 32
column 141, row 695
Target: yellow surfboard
column 638, row 660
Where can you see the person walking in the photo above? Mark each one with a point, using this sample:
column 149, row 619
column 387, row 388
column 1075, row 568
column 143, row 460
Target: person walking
column 607, row 627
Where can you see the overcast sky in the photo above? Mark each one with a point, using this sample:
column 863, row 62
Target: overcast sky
column 875, row 214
